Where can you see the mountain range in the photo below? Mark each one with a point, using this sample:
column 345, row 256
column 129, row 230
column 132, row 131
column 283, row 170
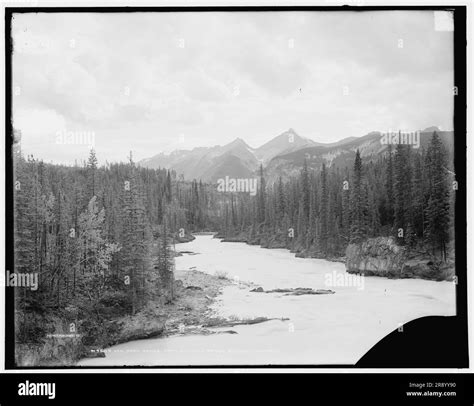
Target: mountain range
column 282, row 156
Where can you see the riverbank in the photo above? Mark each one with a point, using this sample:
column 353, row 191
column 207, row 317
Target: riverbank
column 382, row 256
column 189, row 313
column 280, row 241
column 369, row 258
column 316, row 322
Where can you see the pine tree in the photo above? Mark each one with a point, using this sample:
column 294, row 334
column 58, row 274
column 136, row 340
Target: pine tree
column 402, row 191
column 389, row 187
column 165, row 266
column 373, row 214
column 346, row 207
column 261, row 195
column 168, row 193
column 323, row 211
column 331, row 245
column 305, row 190
column 418, row 200
column 358, row 220
column 437, row 210
column 135, row 239
column 25, row 245
column 91, row 171
column 94, row 250
column 301, row 225
column 281, row 200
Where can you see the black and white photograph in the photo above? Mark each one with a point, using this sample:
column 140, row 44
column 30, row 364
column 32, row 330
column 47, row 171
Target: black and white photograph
column 231, row 188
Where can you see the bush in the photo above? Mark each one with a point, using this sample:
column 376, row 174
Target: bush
column 114, row 304
column 30, row 327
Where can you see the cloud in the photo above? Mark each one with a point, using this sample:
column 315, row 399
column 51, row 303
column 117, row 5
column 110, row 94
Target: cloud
column 38, row 121
column 138, row 80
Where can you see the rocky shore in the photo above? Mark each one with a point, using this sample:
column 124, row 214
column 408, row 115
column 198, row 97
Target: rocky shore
column 382, row 256
column 189, row 313
column 194, row 292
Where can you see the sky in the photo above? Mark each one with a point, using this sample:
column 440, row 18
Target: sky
column 157, row 82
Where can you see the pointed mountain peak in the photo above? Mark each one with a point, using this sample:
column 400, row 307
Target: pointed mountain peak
column 286, row 134
column 238, row 141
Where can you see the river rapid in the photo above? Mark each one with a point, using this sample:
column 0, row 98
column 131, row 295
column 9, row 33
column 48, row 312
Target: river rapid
column 337, row 328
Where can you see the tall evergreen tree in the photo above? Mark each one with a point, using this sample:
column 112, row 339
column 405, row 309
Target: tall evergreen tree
column 437, row 210
column 261, row 198
column 281, row 199
column 92, row 172
column 305, row 190
column 165, row 266
column 358, row 220
column 323, row 210
column 389, row 187
column 402, row 191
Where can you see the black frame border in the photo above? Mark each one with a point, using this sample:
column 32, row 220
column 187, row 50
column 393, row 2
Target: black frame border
column 459, row 119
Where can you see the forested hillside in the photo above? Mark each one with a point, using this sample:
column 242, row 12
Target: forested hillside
column 407, row 193
column 100, row 238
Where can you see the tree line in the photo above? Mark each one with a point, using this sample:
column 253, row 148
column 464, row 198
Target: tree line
column 406, row 193
column 99, row 238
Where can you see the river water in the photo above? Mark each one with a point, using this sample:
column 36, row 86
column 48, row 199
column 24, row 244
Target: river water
column 322, row 329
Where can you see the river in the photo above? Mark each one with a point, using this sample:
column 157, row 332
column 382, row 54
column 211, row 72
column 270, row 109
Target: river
column 322, row 329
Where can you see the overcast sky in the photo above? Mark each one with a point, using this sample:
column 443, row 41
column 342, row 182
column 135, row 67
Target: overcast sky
column 153, row 82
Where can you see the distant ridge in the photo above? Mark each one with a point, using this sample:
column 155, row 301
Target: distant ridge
column 281, row 156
